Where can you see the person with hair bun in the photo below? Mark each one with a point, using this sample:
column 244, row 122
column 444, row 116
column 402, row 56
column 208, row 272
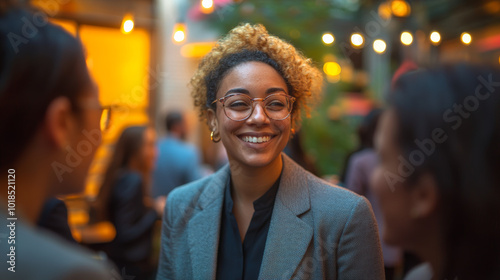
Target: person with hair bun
column 263, row 216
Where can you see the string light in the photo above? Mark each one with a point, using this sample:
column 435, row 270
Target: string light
column 328, row 38
column 179, row 34
column 127, row 24
column 435, row 37
column 466, row 38
column 379, row 46
column 207, row 6
column 406, row 38
column 357, row 40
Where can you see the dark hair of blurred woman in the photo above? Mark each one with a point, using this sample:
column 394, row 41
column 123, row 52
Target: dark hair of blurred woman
column 439, row 179
column 127, row 148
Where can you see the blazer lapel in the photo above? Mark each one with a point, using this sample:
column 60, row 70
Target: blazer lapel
column 289, row 236
column 204, row 227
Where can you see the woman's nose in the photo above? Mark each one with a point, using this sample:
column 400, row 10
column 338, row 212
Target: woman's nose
column 258, row 115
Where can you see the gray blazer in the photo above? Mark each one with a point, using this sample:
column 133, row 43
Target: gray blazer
column 317, row 230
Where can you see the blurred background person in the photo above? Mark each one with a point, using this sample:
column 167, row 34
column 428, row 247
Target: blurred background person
column 438, row 182
column 359, row 171
column 178, row 161
column 47, row 103
column 123, row 199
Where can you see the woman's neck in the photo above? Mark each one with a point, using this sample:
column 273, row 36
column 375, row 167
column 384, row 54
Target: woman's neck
column 250, row 183
column 430, row 248
column 31, row 190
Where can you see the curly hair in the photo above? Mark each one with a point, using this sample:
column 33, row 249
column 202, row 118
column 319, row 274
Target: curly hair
column 248, row 42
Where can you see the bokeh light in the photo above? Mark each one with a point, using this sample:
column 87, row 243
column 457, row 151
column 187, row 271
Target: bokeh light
column 328, row 38
column 435, row 37
column 400, row 8
column 127, row 24
column 379, row 46
column 406, row 38
column 466, row 38
column 179, row 34
column 207, row 6
column 332, row 68
column 357, row 40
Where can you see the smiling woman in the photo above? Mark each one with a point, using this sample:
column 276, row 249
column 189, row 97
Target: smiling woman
column 251, row 89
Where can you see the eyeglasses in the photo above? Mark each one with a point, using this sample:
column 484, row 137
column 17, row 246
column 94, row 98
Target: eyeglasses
column 239, row 107
column 105, row 119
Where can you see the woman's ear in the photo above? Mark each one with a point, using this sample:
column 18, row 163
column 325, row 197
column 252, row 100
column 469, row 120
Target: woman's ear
column 212, row 120
column 59, row 122
column 424, row 196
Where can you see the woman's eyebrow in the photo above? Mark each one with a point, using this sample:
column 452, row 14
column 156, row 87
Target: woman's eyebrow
column 245, row 91
column 274, row 90
column 237, row 90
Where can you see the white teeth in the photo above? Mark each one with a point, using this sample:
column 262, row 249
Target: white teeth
column 251, row 139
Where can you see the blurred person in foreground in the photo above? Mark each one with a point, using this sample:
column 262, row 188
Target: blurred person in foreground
column 438, row 183
column 123, row 200
column 178, row 162
column 360, row 168
column 263, row 216
column 49, row 110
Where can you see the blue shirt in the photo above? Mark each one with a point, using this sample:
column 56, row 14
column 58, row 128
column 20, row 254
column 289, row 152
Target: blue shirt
column 242, row 261
column 178, row 163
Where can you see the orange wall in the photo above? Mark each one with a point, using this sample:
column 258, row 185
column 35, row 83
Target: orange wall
column 119, row 64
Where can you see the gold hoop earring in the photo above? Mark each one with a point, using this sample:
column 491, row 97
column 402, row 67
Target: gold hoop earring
column 212, row 137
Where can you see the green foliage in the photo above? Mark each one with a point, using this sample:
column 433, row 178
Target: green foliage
column 326, row 140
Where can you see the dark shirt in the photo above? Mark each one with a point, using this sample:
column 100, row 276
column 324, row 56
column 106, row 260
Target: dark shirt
column 54, row 217
column 133, row 221
column 242, row 261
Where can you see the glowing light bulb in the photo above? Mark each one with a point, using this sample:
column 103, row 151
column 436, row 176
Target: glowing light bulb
column 435, row 37
column 357, row 40
column 379, row 46
column 179, row 34
column 466, row 38
column 406, row 38
column 207, row 6
column 127, row 24
column 328, row 38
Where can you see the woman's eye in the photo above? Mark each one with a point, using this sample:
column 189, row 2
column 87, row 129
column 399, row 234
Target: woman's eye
column 275, row 105
column 238, row 105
